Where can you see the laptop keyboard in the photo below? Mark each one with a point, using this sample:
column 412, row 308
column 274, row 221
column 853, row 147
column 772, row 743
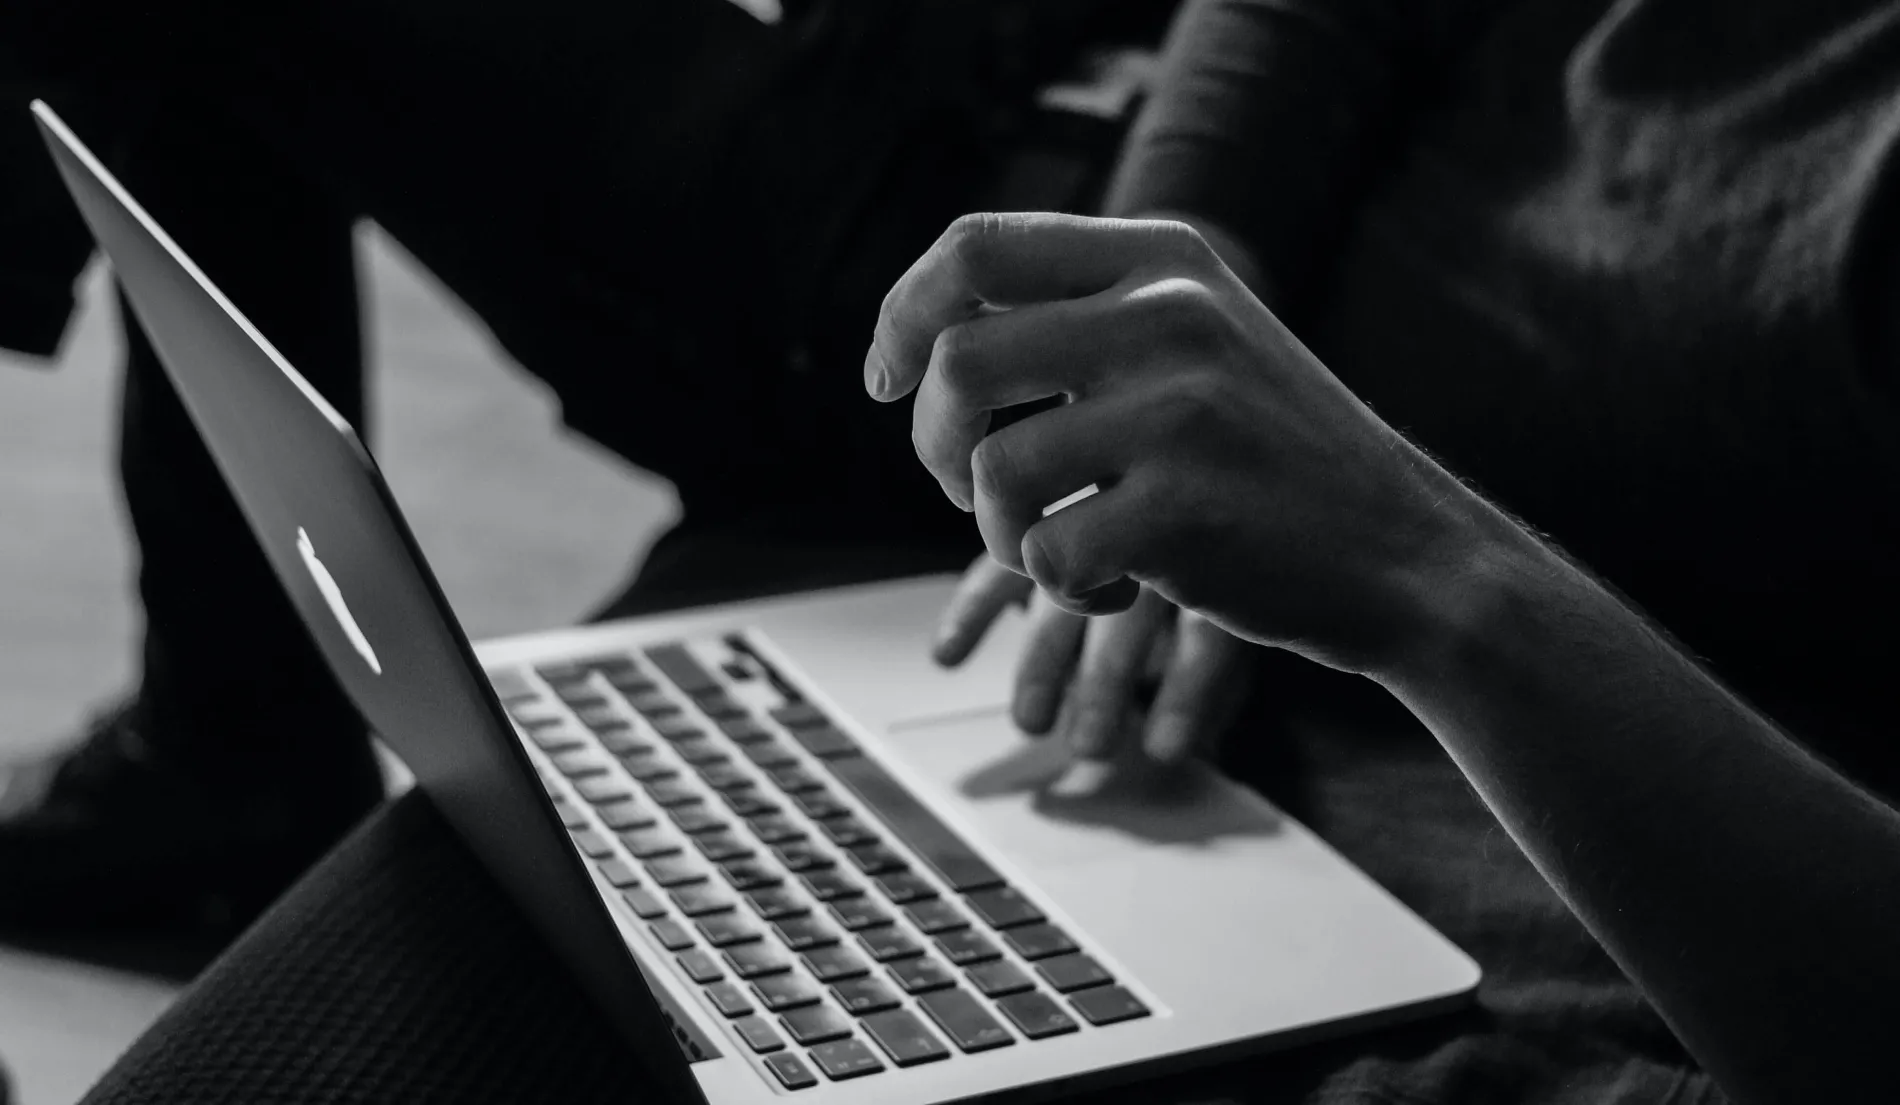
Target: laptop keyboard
column 711, row 798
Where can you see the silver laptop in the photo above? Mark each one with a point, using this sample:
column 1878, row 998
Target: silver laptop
column 785, row 853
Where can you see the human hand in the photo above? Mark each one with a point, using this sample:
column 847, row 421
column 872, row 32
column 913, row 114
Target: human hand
column 1237, row 477
column 1083, row 679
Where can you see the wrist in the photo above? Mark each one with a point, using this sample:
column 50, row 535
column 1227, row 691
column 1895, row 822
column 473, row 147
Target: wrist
column 1466, row 598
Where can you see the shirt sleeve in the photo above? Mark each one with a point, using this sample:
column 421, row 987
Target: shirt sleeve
column 1268, row 116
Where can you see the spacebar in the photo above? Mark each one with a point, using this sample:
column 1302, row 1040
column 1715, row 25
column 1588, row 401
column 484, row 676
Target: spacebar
column 940, row 849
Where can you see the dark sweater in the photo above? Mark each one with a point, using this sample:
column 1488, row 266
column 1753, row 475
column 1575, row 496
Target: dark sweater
column 1629, row 266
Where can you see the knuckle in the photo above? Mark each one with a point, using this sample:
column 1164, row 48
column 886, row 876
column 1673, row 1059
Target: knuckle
column 1198, row 400
column 993, row 466
column 954, row 355
column 972, row 238
column 1185, row 314
column 1182, row 240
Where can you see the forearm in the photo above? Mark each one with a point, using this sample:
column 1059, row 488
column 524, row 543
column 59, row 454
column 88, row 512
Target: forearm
column 1750, row 890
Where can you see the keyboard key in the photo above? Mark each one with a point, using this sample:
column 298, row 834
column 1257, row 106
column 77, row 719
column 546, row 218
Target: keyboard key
column 622, row 742
column 842, row 1059
column 768, row 753
column 819, row 805
column 1036, row 1014
column 701, row 751
column 826, row 742
column 749, row 804
column 1108, row 1005
column 785, row 991
column 571, row 815
column 775, row 902
column 723, row 930
column 921, row 975
column 904, row 886
column 903, row 1036
column 756, row 960
column 866, row 995
column 701, row 900
column 602, row 789
column 695, row 819
column 799, row 855
column 649, row 769
column 701, row 966
column 889, row 942
column 830, row 885
column 793, row 778
column 629, row 680
column 758, row 1034
column 578, row 764
column 860, row 913
column 627, row 815
column 775, row 828
column 719, row 706
column 1000, row 977
column 1003, row 907
column 799, row 715
column 804, row 933
column 536, row 722
column 649, row 843
column 791, row 1071
column 675, row 729
column 724, row 776
column 964, row 1019
column 672, row 935
column 750, row 874
column 1038, row 941
column 876, row 859
column 729, row 999
column 743, row 730
column 967, row 946
column 846, row 832
column 594, row 844
column 832, row 964
column 511, row 683
column 672, row 871
column 940, row 849
column 653, row 705
column 815, row 1024
column 619, row 872
column 935, row 916
column 598, row 716
column 1069, row 973
column 678, row 665
column 557, row 675
column 672, row 791
column 721, row 846
column 645, row 904
column 554, row 738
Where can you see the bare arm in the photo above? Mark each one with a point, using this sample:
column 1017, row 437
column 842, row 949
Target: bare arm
column 1751, row 891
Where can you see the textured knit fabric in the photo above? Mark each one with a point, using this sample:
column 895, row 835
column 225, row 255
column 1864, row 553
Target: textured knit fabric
column 1629, row 266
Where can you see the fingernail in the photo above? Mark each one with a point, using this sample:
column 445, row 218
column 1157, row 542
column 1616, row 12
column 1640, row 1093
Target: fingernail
column 876, row 379
column 1032, row 708
column 1169, row 738
column 1089, row 735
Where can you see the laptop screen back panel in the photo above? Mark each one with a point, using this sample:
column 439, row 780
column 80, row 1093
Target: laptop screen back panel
column 331, row 531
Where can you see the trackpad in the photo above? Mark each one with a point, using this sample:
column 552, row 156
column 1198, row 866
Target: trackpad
column 1032, row 798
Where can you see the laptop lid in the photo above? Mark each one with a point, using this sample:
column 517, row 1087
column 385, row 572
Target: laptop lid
column 336, row 540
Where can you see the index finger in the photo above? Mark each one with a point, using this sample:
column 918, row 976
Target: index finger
column 1003, row 260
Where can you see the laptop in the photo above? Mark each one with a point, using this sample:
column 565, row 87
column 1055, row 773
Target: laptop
column 785, row 854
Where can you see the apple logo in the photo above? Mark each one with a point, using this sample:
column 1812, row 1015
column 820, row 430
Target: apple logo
column 333, row 595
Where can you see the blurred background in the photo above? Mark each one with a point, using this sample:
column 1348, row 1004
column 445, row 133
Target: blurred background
column 526, row 527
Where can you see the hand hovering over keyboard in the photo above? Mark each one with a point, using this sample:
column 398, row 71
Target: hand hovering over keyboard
column 1238, row 478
